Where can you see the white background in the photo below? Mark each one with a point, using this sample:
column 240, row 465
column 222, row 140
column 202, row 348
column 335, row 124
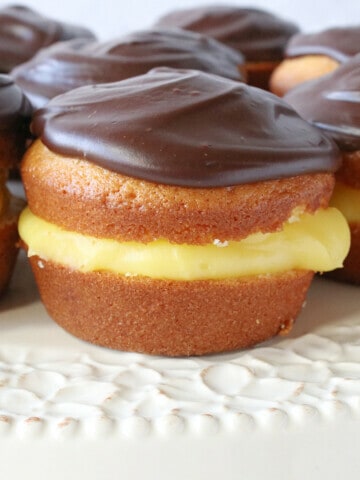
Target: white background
column 111, row 18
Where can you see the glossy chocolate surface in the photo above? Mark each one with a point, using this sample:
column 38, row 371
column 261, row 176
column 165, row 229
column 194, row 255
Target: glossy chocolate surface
column 259, row 35
column 15, row 109
column 68, row 65
column 337, row 43
column 332, row 103
column 24, row 31
column 184, row 127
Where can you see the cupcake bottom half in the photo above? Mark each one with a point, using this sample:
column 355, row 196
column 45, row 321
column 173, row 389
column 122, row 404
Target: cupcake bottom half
column 169, row 317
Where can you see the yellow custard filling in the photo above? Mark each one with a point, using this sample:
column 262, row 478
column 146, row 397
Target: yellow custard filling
column 317, row 242
column 347, row 200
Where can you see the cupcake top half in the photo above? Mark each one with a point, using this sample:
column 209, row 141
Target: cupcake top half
column 68, row 65
column 184, row 127
column 23, row 32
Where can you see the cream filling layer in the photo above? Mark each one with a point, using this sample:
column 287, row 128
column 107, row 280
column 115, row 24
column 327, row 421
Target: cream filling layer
column 347, row 200
column 317, row 242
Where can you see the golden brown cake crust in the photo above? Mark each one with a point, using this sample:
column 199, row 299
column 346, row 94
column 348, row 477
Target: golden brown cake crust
column 349, row 172
column 83, row 197
column 294, row 71
column 170, row 317
column 9, row 242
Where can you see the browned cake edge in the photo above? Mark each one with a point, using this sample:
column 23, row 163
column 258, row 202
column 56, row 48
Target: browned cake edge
column 9, row 242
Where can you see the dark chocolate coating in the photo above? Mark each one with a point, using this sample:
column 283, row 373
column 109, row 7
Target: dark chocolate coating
column 337, row 43
column 332, row 103
column 67, row 65
column 15, row 109
column 184, row 127
column 23, row 32
column 259, row 35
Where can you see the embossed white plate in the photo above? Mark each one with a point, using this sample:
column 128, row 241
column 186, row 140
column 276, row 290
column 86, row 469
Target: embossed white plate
column 288, row 409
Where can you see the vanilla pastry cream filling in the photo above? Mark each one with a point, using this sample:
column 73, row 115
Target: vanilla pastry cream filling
column 347, row 200
column 317, row 242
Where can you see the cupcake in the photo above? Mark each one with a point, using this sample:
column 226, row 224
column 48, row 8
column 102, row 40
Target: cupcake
column 185, row 213
column 23, row 32
column 72, row 64
column 310, row 56
column 332, row 104
column 259, row 35
column 15, row 115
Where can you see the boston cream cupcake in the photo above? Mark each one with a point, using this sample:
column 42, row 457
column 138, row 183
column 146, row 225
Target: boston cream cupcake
column 259, row 35
column 23, row 32
column 185, row 213
column 332, row 104
column 68, row 65
column 15, row 114
column 311, row 56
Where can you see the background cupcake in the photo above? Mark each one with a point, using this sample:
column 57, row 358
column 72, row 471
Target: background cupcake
column 332, row 104
column 24, row 31
column 309, row 56
column 259, row 35
column 67, row 65
column 15, row 114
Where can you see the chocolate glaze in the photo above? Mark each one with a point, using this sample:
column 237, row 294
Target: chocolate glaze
column 23, row 32
column 15, row 109
column 184, row 127
column 332, row 103
column 337, row 43
column 259, row 35
column 68, row 65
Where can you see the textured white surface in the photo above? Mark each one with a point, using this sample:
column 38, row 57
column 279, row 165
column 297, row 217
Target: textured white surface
column 249, row 414
column 286, row 410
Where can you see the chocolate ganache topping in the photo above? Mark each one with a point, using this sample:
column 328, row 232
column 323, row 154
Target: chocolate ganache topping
column 332, row 103
column 67, row 65
column 15, row 109
column 337, row 43
column 259, row 35
column 23, row 32
column 184, row 127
